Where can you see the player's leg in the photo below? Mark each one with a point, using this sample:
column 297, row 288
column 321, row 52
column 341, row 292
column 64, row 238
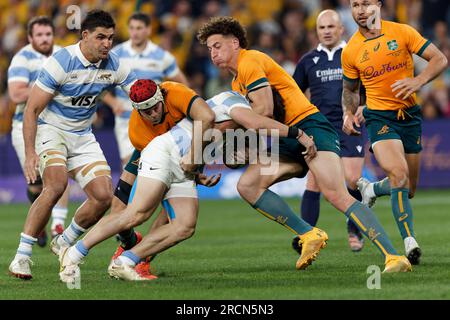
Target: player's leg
column 328, row 170
column 310, row 207
column 183, row 213
column 33, row 189
column 136, row 213
column 352, row 171
column 54, row 184
column 413, row 160
column 59, row 214
column 391, row 158
column 253, row 188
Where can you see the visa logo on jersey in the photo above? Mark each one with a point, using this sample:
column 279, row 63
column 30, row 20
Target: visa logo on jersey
column 84, row 101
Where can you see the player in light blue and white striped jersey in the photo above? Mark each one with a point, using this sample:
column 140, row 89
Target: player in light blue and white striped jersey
column 22, row 73
column 148, row 61
column 57, row 133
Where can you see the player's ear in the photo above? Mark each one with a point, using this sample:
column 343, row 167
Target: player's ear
column 84, row 34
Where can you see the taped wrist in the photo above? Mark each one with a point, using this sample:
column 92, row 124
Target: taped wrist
column 293, row 132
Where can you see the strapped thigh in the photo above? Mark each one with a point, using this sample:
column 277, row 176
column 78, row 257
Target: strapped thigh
column 51, row 158
column 91, row 171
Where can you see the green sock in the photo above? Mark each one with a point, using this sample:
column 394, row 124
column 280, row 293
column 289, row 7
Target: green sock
column 382, row 188
column 401, row 208
column 368, row 224
column 275, row 208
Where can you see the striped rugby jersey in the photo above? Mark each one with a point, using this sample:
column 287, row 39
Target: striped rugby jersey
column 221, row 104
column 76, row 84
column 153, row 63
column 25, row 67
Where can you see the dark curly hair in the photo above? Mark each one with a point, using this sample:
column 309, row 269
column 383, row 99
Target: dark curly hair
column 225, row 26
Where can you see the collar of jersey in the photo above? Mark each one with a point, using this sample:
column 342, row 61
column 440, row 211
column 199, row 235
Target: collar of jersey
column 83, row 59
column 150, row 47
column 331, row 52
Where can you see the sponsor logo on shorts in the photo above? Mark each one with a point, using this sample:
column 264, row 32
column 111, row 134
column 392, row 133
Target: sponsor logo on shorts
column 359, row 148
column 46, row 141
column 383, row 130
column 418, row 140
column 403, row 217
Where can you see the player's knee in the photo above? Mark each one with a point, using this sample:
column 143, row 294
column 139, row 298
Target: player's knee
column 399, row 177
column 102, row 199
column 54, row 191
column 352, row 178
column 246, row 188
column 184, row 232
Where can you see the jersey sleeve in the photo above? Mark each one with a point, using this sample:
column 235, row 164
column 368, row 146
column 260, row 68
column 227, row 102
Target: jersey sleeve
column 300, row 76
column 125, row 77
column 350, row 72
column 179, row 97
column 235, row 100
column 170, row 66
column 53, row 72
column 414, row 40
column 18, row 70
column 252, row 75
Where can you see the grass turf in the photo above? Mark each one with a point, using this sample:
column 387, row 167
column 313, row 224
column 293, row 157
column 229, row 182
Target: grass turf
column 237, row 253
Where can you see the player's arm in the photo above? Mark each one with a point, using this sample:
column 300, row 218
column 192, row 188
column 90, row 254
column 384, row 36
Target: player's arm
column 261, row 101
column 251, row 120
column 36, row 103
column 437, row 62
column 179, row 77
column 350, row 104
column 18, row 91
column 114, row 103
column 203, row 118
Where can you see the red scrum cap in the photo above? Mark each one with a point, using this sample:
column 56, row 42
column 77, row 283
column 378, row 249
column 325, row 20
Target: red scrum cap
column 145, row 94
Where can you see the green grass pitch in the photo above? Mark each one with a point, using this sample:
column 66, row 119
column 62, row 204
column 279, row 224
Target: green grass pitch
column 237, row 253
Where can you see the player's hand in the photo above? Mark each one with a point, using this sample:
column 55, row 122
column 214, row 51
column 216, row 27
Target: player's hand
column 348, row 126
column 308, row 143
column 117, row 108
column 406, row 87
column 31, row 166
column 359, row 115
column 187, row 164
column 208, row 181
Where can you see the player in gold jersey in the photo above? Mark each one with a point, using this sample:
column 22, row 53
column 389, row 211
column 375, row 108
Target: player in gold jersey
column 271, row 91
column 379, row 55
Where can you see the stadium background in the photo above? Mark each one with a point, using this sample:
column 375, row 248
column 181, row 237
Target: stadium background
column 285, row 29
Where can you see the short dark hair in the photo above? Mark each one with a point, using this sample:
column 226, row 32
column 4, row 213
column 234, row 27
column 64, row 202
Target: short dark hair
column 225, row 26
column 97, row 18
column 41, row 20
column 140, row 17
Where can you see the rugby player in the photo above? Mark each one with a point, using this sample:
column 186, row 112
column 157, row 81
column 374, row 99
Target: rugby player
column 320, row 71
column 157, row 109
column 58, row 136
column 22, row 73
column 380, row 57
column 272, row 92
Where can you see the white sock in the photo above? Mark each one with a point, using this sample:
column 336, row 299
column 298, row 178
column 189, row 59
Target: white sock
column 370, row 191
column 126, row 260
column 25, row 248
column 75, row 255
column 59, row 215
column 71, row 234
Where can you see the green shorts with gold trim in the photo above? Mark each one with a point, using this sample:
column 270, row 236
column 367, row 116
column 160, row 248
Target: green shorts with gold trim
column 325, row 137
column 404, row 125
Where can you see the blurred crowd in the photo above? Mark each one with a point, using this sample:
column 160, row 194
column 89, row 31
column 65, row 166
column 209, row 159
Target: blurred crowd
column 284, row 29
